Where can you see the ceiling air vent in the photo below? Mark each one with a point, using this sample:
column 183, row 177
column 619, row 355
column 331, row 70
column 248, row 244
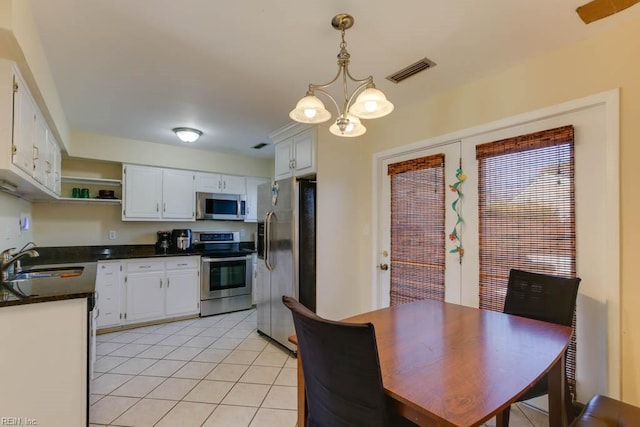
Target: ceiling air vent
column 259, row 146
column 411, row 70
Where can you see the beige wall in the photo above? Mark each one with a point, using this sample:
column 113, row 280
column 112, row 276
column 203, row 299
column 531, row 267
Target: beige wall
column 343, row 226
column 103, row 147
column 603, row 62
column 71, row 224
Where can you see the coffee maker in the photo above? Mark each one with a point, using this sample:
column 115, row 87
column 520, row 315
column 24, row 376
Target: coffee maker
column 163, row 241
column 181, row 240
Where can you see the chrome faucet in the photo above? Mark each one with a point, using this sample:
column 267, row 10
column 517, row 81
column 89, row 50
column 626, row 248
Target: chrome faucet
column 9, row 259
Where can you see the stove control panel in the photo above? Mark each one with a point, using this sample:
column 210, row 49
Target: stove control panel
column 216, row 236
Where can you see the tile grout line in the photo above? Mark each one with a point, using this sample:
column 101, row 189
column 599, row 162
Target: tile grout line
column 240, row 337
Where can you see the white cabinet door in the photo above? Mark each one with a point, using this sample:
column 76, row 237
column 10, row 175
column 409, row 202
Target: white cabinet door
column 296, row 156
column 304, row 155
column 284, row 159
column 33, row 147
column 178, row 194
column 142, row 188
column 145, row 296
column 183, row 292
column 53, row 164
column 251, row 207
column 24, row 118
column 40, row 150
column 217, row 183
column 108, row 295
column 233, row 184
column 208, row 182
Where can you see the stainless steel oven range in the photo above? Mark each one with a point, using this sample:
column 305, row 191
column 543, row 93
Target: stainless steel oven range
column 226, row 273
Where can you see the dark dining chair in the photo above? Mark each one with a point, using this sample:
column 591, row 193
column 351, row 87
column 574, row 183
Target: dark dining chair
column 541, row 297
column 341, row 370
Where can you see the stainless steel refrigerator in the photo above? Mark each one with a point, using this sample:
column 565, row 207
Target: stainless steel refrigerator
column 286, row 254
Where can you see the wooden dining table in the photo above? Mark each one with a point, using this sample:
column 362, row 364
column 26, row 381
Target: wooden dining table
column 449, row 365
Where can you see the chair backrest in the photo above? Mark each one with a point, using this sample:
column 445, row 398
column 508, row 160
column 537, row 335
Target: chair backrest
column 341, row 370
column 541, row 296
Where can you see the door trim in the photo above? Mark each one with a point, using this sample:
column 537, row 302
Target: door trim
column 611, row 246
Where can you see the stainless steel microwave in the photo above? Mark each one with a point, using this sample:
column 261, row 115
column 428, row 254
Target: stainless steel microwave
column 220, row 206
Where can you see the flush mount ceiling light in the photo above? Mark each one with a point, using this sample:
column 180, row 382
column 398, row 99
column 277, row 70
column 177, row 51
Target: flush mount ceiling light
column 187, row 134
column 365, row 102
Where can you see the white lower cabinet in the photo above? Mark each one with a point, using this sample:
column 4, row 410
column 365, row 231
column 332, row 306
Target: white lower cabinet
column 183, row 287
column 144, row 289
column 108, row 294
column 148, row 289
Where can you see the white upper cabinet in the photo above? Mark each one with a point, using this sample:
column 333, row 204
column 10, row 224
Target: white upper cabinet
column 296, row 155
column 304, row 153
column 142, row 189
column 53, row 164
column 156, row 194
column 217, row 183
column 46, row 156
column 40, row 150
column 251, row 207
column 284, row 153
column 24, row 128
column 178, row 195
column 34, row 150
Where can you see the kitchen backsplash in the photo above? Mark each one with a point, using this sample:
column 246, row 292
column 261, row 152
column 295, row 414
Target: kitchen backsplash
column 11, row 210
column 77, row 224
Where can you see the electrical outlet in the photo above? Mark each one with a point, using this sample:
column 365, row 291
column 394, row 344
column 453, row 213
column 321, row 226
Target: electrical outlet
column 112, row 235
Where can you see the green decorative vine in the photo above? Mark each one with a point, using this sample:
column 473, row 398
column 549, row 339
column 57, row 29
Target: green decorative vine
column 454, row 236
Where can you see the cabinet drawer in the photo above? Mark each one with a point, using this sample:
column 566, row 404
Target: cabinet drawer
column 181, row 263
column 144, row 265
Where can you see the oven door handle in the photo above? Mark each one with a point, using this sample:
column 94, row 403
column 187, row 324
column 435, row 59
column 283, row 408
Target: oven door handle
column 267, row 241
column 243, row 258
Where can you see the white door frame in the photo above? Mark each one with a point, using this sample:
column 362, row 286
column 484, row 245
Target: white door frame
column 611, row 199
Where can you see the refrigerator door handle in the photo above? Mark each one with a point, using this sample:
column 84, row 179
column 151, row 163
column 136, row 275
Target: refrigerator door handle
column 267, row 241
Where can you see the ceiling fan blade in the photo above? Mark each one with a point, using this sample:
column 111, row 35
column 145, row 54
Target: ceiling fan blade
column 598, row 9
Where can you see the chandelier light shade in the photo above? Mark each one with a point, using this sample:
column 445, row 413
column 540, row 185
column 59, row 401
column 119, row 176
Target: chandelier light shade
column 371, row 104
column 310, row 109
column 352, row 128
column 365, row 102
column 187, row 134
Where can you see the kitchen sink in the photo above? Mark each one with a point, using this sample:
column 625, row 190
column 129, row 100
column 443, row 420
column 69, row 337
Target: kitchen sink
column 45, row 272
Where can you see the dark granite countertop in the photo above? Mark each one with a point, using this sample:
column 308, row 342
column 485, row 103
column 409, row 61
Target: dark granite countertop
column 53, row 289
column 83, row 286
column 83, row 254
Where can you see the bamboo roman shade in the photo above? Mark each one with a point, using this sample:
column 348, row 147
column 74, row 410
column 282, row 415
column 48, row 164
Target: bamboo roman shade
column 417, row 229
column 526, row 213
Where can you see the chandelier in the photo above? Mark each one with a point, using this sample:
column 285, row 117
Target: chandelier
column 365, row 102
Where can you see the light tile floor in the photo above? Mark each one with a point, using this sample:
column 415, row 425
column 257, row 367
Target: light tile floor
column 209, row 372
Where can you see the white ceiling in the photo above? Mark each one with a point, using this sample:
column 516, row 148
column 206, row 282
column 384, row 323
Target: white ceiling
column 234, row 69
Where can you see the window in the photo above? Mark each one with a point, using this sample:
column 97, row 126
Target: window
column 526, row 205
column 417, row 229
